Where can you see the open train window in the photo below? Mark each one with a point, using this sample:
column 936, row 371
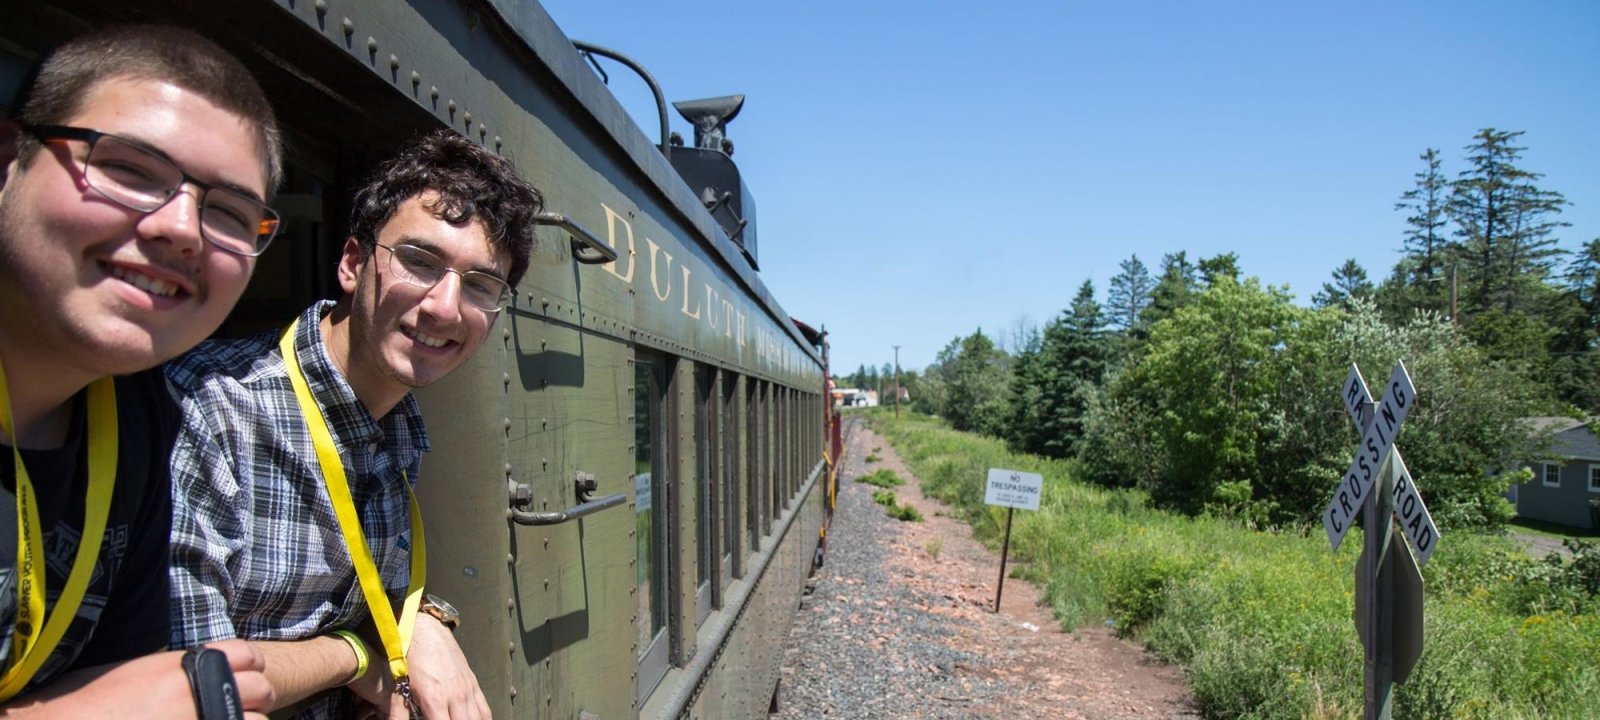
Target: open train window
column 705, row 521
column 651, row 501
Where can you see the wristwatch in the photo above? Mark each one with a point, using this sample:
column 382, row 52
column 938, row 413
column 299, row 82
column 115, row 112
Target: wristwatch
column 444, row 612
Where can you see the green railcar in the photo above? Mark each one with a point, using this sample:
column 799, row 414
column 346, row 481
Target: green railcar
column 628, row 483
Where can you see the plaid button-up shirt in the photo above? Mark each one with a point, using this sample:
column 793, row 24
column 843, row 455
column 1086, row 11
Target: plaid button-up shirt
column 256, row 547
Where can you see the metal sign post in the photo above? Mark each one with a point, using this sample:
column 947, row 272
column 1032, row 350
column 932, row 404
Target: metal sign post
column 1011, row 489
column 1005, row 549
column 1378, row 668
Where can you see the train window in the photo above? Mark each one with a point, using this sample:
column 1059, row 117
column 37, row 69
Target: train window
column 650, row 523
column 771, row 449
column 705, row 506
column 785, row 482
column 729, row 432
column 752, row 451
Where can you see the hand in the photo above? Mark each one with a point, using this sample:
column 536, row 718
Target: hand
column 153, row 686
column 249, row 675
column 442, row 684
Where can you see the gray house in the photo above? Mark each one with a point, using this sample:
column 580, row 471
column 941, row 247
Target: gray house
column 1564, row 485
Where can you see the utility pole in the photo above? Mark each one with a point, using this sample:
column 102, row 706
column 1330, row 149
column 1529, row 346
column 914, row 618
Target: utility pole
column 897, row 381
column 1452, row 298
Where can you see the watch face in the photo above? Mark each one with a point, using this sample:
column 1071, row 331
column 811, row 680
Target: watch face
column 448, row 609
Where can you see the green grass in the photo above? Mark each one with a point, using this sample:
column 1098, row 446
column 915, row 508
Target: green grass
column 903, row 513
column 884, row 478
column 1529, row 526
column 1262, row 619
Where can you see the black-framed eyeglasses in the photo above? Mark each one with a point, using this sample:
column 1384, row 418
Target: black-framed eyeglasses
column 422, row 268
column 137, row 178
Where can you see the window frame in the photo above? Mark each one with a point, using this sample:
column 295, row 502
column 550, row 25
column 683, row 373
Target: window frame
column 727, row 396
column 653, row 659
column 1545, row 474
column 706, row 519
column 754, row 501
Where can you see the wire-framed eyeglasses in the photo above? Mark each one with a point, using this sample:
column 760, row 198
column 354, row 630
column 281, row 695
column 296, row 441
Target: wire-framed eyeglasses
column 416, row 266
column 137, row 178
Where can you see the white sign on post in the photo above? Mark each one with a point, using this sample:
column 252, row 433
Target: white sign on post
column 1013, row 489
column 1376, row 441
column 1413, row 515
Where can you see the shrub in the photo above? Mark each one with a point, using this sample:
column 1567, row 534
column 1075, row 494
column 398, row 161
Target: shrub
column 905, row 513
column 884, row 478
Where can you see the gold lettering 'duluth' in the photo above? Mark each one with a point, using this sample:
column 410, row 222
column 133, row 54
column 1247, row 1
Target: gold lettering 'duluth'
column 612, row 219
column 733, row 323
column 655, row 285
column 696, row 314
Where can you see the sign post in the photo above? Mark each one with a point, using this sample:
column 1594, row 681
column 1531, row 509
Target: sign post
column 1011, row 489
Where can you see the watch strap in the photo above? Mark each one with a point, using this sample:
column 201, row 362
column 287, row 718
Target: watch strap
column 216, row 697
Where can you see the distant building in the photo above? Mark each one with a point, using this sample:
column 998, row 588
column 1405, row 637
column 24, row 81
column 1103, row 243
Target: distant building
column 855, row 397
column 1564, row 485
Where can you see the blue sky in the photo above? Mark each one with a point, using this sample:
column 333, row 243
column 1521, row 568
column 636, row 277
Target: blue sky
column 924, row 169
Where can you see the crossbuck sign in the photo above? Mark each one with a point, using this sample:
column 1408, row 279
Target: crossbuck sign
column 1377, row 442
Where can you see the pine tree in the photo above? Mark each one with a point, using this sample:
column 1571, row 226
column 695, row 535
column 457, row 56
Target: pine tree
column 1179, row 280
column 1073, row 360
column 1575, row 370
column 1025, row 431
column 1505, row 224
column 1129, row 294
column 1349, row 282
column 1217, row 267
column 1583, row 281
column 1425, row 241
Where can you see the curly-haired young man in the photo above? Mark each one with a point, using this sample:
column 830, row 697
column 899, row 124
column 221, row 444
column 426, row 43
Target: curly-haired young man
column 287, row 434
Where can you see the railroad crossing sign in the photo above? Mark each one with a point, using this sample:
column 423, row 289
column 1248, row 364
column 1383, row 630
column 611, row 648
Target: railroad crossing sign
column 1413, row 515
column 1377, row 439
column 1388, row 605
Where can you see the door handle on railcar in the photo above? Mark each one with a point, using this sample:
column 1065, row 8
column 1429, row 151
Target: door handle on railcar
column 586, row 248
column 585, row 484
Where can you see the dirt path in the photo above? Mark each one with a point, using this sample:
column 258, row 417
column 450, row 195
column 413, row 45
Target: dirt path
column 1089, row 673
column 1014, row 664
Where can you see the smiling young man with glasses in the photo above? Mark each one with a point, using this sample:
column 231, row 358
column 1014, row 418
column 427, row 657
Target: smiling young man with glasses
column 294, row 523
column 133, row 184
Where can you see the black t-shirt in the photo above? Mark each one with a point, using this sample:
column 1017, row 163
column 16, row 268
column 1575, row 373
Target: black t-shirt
column 125, row 609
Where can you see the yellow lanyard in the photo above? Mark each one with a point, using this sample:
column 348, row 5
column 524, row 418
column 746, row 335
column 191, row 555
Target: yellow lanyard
column 29, row 645
column 395, row 632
